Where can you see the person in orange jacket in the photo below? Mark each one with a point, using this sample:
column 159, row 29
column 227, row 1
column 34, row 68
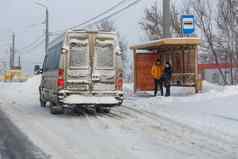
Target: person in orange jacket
column 157, row 72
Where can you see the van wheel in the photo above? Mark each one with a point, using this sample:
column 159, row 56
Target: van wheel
column 103, row 110
column 56, row 110
column 107, row 110
column 121, row 102
column 42, row 103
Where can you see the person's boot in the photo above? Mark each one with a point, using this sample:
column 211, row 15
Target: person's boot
column 167, row 94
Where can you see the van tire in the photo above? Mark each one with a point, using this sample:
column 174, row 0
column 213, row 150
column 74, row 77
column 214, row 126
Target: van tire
column 107, row 110
column 121, row 102
column 103, row 110
column 56, row 110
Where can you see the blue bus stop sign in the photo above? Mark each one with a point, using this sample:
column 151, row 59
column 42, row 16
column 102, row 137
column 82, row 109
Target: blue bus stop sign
column 188, row 24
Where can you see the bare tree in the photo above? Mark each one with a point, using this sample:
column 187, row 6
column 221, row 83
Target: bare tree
column 175, row 20
column 205, row 21
column 186, row 7
column 152, row 22
column 227, row 22
column 109, row 26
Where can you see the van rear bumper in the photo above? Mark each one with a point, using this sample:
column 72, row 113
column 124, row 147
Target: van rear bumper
column 91, row 100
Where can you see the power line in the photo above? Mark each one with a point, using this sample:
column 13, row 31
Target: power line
column 32, row 43
column 116, row 12
column 34, row 46
column 101, row 14
column 97, row 16
column 29, row 46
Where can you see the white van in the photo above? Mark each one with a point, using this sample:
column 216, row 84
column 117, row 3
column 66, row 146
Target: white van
column 82, row 69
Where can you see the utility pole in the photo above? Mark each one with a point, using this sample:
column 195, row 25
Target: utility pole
column 13, row 49
column 46, row 25
column 46, row 31
column 166, row 19
column 12, row 52
column 19, row 61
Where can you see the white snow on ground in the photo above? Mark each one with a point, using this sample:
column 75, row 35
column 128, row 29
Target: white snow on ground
column 216, row 107
column 185, row 125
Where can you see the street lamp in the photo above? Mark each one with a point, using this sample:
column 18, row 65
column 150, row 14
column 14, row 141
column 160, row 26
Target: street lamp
column 46, row 26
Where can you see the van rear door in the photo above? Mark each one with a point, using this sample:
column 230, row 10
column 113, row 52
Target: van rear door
column 91, row 63
column 103, row 73
column 78, row 67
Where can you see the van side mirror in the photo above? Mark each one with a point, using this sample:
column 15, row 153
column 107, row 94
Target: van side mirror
column 41, row 71
column 118, row 53
column 37, row 70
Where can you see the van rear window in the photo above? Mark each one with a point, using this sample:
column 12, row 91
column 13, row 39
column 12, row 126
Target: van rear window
column 79, row 55
column 104, row 54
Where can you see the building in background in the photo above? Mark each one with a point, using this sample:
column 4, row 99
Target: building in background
column 209, row 69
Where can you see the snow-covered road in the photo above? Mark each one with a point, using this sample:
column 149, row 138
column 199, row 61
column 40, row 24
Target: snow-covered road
column 194, row 126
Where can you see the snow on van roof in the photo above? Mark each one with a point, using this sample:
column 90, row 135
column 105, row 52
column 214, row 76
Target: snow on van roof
column 61, row 37
column 90, row 31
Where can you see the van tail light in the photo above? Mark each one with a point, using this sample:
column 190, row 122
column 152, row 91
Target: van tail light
column 119, row 81
column 60, row 81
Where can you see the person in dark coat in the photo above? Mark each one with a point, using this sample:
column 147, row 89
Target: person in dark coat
column 167, row 78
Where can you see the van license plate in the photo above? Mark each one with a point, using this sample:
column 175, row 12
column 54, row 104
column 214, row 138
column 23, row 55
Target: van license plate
column 78, row 87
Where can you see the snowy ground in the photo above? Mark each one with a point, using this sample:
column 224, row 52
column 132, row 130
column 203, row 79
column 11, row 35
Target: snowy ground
column 183, row 126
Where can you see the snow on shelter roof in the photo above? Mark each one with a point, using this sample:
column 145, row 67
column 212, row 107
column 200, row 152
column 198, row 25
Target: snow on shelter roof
column 167, row 42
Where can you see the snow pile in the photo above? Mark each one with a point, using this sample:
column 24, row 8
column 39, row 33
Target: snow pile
column 20, row 91
column 31, row 83
column 207, row 87
column 128, row 89
column 216, row 91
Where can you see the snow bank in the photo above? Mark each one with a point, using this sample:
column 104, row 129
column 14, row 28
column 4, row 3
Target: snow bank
column 31, row 83
column 26, row 92
column 128, row 89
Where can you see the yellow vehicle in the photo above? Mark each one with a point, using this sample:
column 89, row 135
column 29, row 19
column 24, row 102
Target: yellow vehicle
column 15, row 75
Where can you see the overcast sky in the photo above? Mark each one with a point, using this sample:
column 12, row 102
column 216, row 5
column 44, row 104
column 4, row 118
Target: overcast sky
column 24, row 18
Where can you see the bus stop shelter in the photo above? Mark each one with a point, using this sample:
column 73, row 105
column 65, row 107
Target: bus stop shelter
column 182, row 53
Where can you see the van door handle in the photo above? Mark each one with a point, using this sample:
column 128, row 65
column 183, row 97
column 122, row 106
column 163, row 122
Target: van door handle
column 95, row 78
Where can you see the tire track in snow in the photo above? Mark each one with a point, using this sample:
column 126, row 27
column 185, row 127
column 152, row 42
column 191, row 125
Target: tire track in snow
column 102, row 129
column 206, row 143
column 170, row 136
column 132, row 128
